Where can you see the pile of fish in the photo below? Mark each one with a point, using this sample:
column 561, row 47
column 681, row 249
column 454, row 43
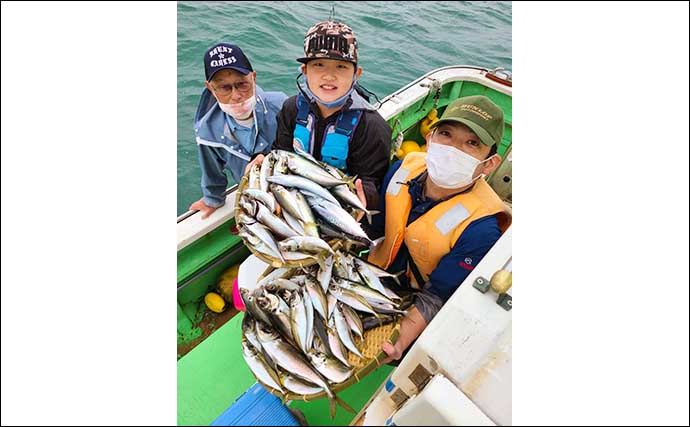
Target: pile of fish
column 301, row 324
column 293, row 205
column 305, row 318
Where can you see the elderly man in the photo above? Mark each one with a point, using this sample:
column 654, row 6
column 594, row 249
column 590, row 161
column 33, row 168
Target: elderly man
column 235, row 121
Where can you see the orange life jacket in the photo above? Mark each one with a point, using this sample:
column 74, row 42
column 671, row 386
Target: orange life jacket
column 433, row 234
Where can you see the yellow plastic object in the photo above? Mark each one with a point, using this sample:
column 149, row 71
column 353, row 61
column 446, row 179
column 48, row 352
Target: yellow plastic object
column 501, row 281
column 426, row 123
column 225, row 282
column 230, row 273
column 214, row 302
column 407, row 147
column 225, row 289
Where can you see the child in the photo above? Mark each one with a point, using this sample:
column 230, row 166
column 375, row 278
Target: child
column 329, row 119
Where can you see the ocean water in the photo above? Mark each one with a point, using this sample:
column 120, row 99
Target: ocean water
column 398, row 42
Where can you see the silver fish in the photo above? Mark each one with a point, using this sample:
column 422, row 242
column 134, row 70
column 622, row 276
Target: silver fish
column 289, row 359
column 250, row 302
column 338, row 218
column 330, row 303
column 378, row 272
column 309, row 308
column 337, row 173
column 298, row 386
column 264, row 234
column 366, row 292
column 280, row 165
column 287, row 201
column 259, row 367
column 326, row 230
column 343, row 193
column 261, row 247
column 307, row 215
column 386, row 308
column 299, row 182
column 248, row 206
column 318, row 297
column 335, row 344
column 353, row 320
column 340, row 265
column 321, row 336
column 288, row 284
column 306, row 155
column 300, row 279
column 319, row 345
column 299, row 256
column 279, row 314
column 267, row 199
column 254, row 174
column 298, row 321
column 277, row 225
column 324, row 274
column 249, row 331
column 352, row 274
column 266, row 170
column 343, row 330
column 293, row 222
column 252, row 239
column 277, row 273
column 307, row 169
column 330, row 368
column 245, row 219
column 350, row 298
column 304, row 244
column 372, row 280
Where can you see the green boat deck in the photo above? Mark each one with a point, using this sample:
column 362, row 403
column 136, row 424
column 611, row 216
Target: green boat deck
column 214, row 374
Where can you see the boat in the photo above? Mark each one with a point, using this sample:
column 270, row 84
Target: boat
column 211, row 371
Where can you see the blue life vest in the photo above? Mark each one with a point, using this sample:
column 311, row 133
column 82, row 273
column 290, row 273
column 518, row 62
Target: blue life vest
column 336, row 136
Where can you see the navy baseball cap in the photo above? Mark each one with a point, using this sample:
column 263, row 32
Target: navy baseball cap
column 225, row 55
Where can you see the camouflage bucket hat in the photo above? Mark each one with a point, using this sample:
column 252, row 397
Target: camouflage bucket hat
column 331, row 40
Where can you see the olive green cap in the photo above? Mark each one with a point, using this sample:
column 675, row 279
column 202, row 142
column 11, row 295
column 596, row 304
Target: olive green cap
column 480, row 114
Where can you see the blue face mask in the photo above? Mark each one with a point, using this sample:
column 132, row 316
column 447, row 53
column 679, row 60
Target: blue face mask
column 333, row 104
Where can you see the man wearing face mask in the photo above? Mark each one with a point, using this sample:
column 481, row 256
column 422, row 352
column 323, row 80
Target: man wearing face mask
column 441, row 217
column 235, row 120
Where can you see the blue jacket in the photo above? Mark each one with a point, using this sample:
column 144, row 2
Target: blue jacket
column 224, row 144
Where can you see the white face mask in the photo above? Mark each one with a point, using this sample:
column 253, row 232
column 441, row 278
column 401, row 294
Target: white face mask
column 449, row 167
column 241, row 110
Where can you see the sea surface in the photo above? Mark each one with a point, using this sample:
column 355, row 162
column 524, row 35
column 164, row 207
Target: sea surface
column 398, row 42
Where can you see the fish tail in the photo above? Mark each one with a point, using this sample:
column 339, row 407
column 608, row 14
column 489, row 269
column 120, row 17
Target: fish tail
column 344, row 405
column 331, row 406
column 321, row 260
column 351, row 182
column 370, row 214
column 378, row 317
column 311, row 230
column 397, row 275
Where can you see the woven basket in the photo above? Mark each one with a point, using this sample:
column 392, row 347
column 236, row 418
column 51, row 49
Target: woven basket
column 373, row 356
column 369, row 346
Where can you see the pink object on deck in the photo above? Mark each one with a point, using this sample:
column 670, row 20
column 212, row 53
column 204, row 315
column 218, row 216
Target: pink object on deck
column 236, row 297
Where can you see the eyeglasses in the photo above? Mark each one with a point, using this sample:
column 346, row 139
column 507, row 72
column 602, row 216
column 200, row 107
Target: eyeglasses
column 226, row 88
